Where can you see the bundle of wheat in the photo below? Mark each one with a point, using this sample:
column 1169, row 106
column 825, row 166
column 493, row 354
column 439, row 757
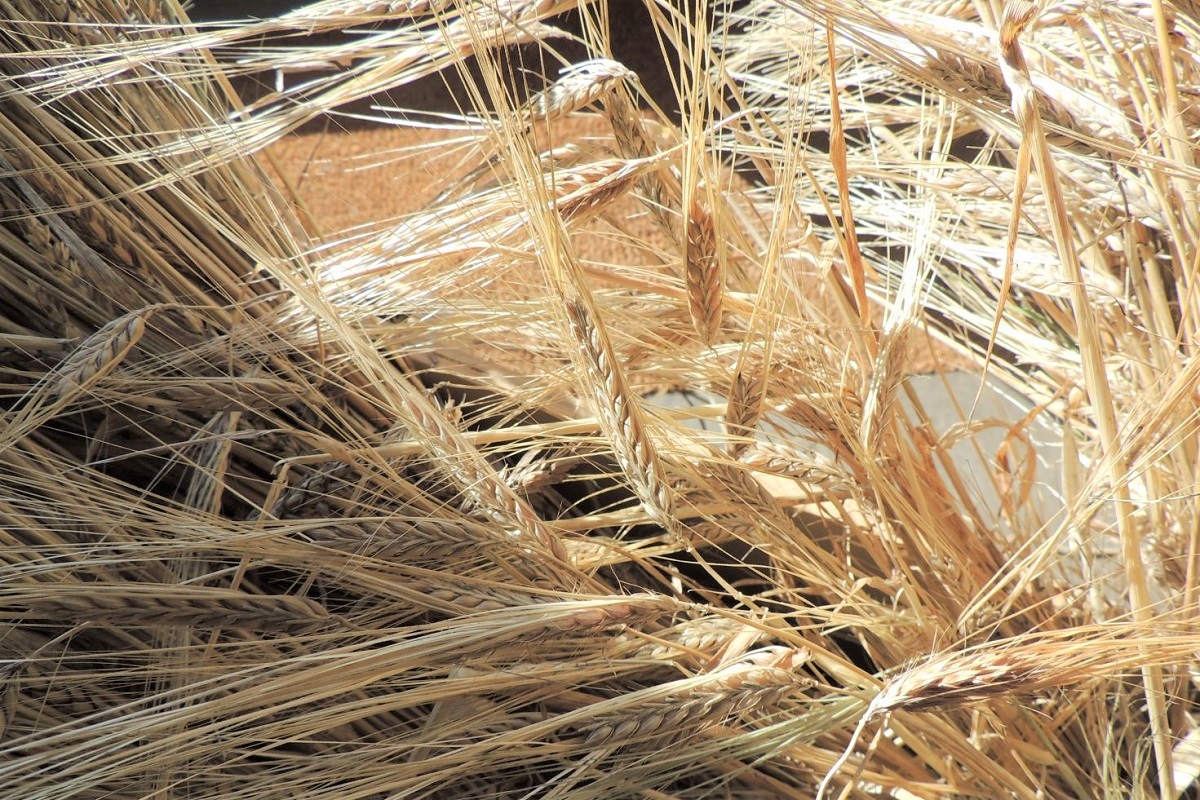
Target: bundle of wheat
column 288, row 510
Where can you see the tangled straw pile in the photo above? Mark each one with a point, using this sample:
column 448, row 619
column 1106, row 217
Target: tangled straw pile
column 389, row 513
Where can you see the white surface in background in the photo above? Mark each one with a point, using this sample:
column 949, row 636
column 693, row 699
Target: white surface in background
column 947, row 400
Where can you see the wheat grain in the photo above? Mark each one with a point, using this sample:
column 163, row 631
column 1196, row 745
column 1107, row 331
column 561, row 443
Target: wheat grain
column 1023, row 666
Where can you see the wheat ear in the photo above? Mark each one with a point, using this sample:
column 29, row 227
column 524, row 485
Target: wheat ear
column 620, row 415
column 583, row 191
column 703, row 274
column 100, row 353
column 758, row 681
column 157, row 606
column 437, row 541
column 577, row 87
column 747, row 390
column 662, row 188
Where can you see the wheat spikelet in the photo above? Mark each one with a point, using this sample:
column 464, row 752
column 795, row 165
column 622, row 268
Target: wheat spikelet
column 217, row 394
column 959, row 680
column 473, row 599
column 211, row 463
column 620, row 415
column 1139, row 15
column 527, row 616
column 702, row 270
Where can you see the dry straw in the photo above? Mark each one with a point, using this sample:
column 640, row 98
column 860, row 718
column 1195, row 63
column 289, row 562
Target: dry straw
column 401, row 511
